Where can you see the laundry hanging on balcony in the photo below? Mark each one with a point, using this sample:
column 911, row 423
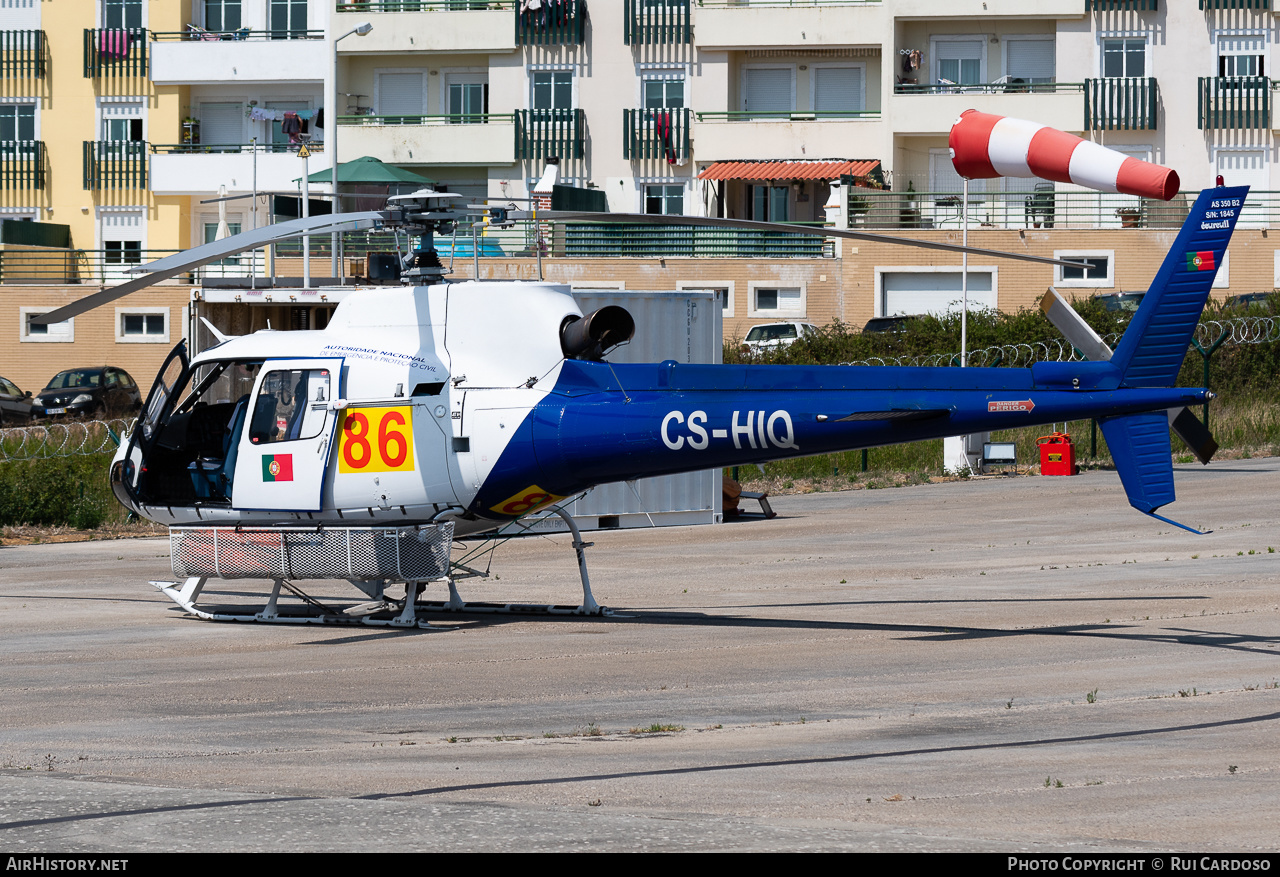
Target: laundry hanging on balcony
column 114, row 43
column 984, row 146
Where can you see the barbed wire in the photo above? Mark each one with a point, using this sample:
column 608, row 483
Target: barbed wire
column 1239, row 330
column 69, row 439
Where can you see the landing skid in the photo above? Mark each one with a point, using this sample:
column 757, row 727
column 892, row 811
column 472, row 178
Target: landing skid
column 382, row 611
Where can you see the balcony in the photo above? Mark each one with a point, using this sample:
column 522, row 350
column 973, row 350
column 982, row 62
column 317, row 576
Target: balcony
column 196, row 56
column 1235, row 102
column 23, row 54
column 474, row 139
column 665, row 23
column 187, row 169
column 1235, row 4
column 548, row 133
column 751, row 136
column 1120, row 104
column 115, row 52
column 656, row 134
column 1120, row 5
column 556, row 23
column 411, row 26
column 590, row 241
column 934, row 108
column 21, row 164
column 115, row 164
column 811, row 24
column 1021, row 9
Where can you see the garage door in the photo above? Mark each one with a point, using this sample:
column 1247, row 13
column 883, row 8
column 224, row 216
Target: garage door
column 933, row 292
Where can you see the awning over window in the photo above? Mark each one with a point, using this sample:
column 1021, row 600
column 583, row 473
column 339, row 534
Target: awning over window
column 787, row 170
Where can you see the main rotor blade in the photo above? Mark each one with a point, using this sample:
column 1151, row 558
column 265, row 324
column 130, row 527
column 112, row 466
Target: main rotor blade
column 170, row 266
column 752, row 225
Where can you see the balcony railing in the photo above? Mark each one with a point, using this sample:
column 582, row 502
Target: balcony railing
column 22, row 54
column 1235, row 4
column 1120, row 5
column 446, row 119
column 115, row 164
column 199, row 34
column 656, row 22
column 796, row 3
column 589, row 241
column 245, row 148
column 115, row 51
column 49, row 265
column 656, row 134
column 1234, row 102
column 547, row 133
column 555, row 23
column 424, row 5
column 1120, row 104
column 1004, row 85
column 21, row 164
column 785, row 115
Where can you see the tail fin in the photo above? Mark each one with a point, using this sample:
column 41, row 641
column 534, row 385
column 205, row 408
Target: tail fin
column 1139, row 444
column 1152, row 349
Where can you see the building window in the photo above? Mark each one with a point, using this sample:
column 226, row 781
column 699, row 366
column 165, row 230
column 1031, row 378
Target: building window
column 468, row 97
column 222, row 16
column 122, row 252
column 17, row 122
column 52, row 332
column 838, row 88
column 1098, row 274
column 400, row 93
column 552, row 89
column 211, row 235
column 768, row 203
column 142, row 325
column 777, row 301
column 663, row 93
column 288, row 19
column 1030, row 59
column 723, row 287
column 121, row 13
column 959, row 61
column 769, row 91
column 1124, row 57
column 1242, row 55
column 665, row 200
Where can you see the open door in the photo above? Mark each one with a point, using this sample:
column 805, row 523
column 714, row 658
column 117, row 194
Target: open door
column 282, row 452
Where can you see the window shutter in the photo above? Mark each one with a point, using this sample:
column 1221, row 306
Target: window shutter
column 1032, row 60
column 221, row 124
column 768, row 90
column 838, row 90
column 400, row 94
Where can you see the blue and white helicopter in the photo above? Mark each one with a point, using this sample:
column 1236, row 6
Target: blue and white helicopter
column 460, row 407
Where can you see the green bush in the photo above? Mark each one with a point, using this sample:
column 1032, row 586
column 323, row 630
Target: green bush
column 59, row 491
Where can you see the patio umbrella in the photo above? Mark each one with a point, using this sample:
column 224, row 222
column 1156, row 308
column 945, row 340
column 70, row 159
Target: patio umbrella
column 370, row 170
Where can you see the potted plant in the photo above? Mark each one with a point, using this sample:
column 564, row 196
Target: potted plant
column 1130, row 217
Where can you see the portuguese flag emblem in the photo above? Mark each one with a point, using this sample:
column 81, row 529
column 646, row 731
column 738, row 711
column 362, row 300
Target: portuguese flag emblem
column 1201, row 261
column 277, row 467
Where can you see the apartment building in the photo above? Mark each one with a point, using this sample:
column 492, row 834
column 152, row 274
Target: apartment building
column 737, row 108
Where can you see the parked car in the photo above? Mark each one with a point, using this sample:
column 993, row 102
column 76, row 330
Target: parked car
column 896, row 323
column 88, row 392
column 1126, row 302
column 770, row 336
column 1246, row 300
column 15, row 405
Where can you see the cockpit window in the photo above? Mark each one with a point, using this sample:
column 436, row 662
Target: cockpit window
column 291, row 404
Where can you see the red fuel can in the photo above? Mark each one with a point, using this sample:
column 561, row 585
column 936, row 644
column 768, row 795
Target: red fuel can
column 1057, row 455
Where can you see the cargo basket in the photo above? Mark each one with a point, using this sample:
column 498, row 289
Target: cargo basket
column 404, row 554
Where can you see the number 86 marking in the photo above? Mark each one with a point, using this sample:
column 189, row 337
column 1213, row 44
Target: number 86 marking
column 376, row 440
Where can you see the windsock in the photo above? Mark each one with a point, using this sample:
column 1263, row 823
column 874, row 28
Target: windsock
column 985, row 146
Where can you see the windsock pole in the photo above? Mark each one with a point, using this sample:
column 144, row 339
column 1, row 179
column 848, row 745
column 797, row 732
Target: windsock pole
column 964, row 274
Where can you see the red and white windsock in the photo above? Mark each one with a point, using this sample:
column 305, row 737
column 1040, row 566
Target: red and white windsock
column 985, row 146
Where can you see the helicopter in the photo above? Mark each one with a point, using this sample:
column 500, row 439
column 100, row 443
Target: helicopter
column 437, row 409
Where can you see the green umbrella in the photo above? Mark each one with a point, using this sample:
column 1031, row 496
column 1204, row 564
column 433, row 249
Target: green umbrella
column 370, row 170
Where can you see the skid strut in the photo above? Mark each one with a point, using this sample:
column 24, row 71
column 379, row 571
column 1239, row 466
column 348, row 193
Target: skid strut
column 281, row 555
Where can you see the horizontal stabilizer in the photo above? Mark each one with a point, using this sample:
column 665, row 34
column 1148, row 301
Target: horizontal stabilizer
column 1197, row 436
column 901, row 415
column 1139, row 445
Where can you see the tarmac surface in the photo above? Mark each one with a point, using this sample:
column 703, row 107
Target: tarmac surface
column 998, row 664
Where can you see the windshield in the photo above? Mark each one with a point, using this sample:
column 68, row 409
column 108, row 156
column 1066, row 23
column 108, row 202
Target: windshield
column 80, row 377
column 771, row 333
